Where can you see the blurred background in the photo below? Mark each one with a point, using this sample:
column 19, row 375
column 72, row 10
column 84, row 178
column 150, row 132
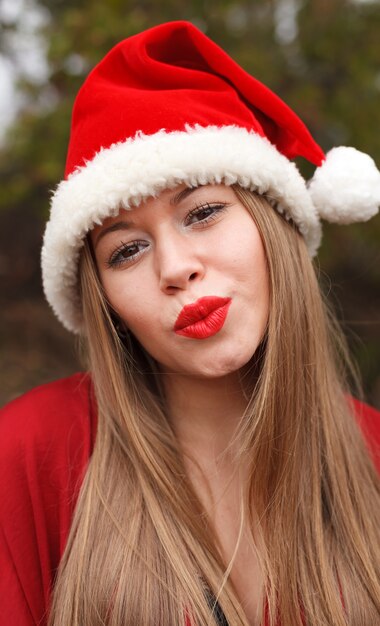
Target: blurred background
column 321, row 56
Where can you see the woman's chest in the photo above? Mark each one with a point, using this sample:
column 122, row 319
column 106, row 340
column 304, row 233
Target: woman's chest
column 221, row 497
column 240, row 556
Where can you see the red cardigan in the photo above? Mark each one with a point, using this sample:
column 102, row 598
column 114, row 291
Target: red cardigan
column 46, row 439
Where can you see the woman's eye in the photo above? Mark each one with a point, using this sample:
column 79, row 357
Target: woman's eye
column 126, row 253
column 204, row 214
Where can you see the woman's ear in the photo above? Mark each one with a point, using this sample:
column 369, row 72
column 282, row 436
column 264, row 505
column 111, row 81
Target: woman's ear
column 121, row 330
column 119, row 326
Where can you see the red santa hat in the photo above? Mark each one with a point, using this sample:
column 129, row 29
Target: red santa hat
column 169, row 106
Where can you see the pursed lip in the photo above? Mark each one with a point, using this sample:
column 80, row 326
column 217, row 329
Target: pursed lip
column 198, row 310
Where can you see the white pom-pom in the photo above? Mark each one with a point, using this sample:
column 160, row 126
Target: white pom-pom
column 346, row 188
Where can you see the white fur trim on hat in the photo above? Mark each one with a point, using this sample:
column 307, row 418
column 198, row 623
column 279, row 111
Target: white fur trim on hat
column 127, row 173
column 346, row 188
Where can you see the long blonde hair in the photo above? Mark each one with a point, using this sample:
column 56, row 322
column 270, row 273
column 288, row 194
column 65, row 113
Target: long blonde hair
column 141, row 550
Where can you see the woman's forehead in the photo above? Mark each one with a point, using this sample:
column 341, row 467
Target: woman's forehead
column 173, row 197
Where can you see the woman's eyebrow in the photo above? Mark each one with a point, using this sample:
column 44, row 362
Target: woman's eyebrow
column 181, row 195
column 122, row 225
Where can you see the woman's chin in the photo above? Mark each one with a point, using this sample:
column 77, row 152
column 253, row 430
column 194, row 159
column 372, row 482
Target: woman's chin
column 212, row 368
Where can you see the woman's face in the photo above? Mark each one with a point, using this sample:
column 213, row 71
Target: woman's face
column 197, row 247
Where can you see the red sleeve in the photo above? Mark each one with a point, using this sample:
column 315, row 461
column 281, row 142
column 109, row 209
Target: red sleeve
column 369, row 422
column 46, row 439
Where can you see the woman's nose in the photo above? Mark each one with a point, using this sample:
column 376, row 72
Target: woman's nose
column 178, row 263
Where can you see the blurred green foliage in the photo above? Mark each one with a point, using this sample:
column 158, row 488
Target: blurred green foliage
column 321, row 56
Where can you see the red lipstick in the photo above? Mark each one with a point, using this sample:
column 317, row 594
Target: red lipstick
column 203, row 318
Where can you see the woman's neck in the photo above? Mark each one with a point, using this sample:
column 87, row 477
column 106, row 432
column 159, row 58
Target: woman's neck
column 205, row 412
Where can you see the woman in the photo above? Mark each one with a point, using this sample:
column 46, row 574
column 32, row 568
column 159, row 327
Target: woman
column 212, row 468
